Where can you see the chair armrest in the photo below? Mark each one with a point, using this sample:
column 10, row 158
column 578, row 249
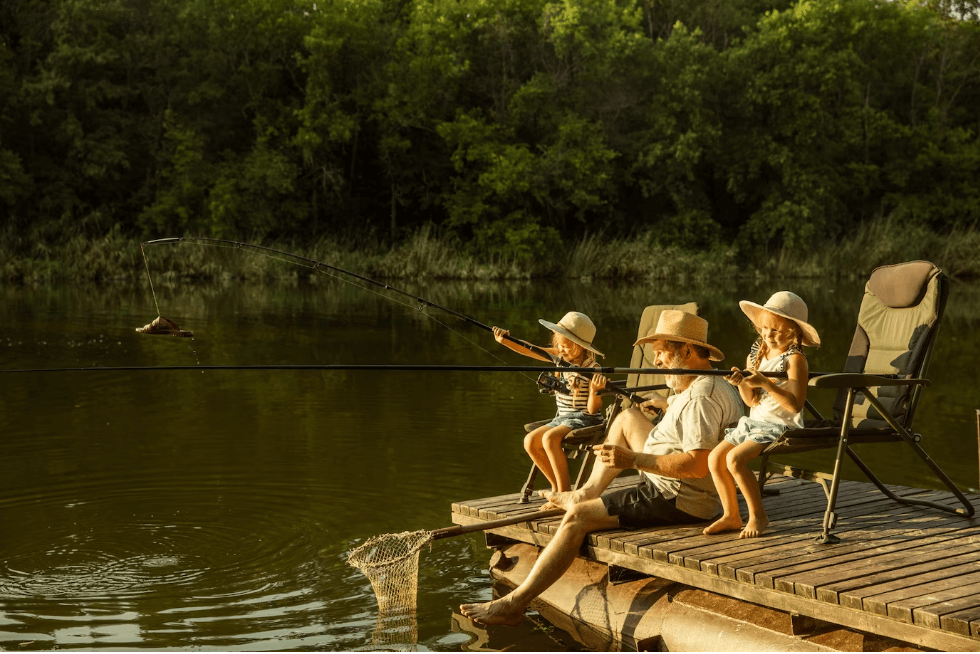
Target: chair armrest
column 856, row 380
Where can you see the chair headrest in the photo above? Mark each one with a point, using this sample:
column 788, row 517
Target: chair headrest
column 902, row 285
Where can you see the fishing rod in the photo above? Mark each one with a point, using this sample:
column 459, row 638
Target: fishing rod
column 313, row 264
column 166, row 326
column 412, row 367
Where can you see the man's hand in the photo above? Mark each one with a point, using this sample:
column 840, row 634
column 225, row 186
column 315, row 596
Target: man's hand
column 614, row 456
column 655, row 403
column 498, row 334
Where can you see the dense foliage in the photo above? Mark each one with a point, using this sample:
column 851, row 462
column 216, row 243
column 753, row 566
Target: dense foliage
column 512, row 125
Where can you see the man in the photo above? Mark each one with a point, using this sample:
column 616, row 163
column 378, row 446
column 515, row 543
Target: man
column 674, row 487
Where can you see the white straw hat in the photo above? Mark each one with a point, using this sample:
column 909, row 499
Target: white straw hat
column 576, row 327
column 788, row 305
column 684, row 327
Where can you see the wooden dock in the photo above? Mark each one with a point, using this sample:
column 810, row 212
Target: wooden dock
column 909, row 573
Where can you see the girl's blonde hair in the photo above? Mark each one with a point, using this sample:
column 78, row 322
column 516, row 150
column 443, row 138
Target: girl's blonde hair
column 586, row 352
column 760, row 347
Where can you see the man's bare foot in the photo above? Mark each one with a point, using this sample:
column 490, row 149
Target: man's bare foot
column 548, row 504
column 723, row 524
column 754, row 527
column 565, row 499
column 499, row 611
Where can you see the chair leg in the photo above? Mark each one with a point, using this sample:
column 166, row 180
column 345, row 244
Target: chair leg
column 528, row 486
column 764, row 476
column 829, row 517
column 967, row 509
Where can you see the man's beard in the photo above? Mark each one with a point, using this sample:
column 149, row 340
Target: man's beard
column 675, row 382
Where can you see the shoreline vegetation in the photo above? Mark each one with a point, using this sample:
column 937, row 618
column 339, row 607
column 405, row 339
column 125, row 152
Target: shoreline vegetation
column 428, row 256
column 490, row 139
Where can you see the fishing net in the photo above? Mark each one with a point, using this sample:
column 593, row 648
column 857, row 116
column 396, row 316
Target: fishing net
column 391, row 564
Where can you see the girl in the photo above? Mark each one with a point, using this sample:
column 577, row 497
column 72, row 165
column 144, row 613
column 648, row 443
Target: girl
column 579, row 407
column 776, row 405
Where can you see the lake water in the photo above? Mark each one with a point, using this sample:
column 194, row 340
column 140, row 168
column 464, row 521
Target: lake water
column 215, row 510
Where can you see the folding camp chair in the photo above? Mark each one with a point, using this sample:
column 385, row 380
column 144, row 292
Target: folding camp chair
column 896, row 330
column 578, row 442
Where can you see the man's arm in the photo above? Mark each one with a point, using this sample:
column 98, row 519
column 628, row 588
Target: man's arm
column 682, row 465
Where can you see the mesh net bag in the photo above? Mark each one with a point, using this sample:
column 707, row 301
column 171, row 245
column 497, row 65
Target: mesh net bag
column 391, row 564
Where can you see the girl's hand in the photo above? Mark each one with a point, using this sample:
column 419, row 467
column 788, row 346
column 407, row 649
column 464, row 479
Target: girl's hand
column 754, row 379
column 735, row 378
column 498, row 334
column 597, row 383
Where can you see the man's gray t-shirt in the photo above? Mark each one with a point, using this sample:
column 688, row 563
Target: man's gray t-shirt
column 695, row 420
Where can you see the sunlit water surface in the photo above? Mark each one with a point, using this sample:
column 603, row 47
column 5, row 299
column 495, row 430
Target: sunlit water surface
column 215, row 510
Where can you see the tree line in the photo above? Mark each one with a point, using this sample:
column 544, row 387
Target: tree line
column 510, row 126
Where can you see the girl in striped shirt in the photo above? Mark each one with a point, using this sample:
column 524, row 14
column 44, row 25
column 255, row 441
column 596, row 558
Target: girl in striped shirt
column 579, row 407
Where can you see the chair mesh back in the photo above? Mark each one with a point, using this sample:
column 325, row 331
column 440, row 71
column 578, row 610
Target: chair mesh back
column 897, row 324
column 643, row 354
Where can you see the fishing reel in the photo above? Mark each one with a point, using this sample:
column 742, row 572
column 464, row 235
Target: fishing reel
column 550, row 383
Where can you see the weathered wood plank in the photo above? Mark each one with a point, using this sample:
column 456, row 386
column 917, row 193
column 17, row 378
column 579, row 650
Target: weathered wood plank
column 901, row 609
column 873, row 590
column 813, row 556
column 915, row 580
column 964, row 623
column 931, row 616
column 766, row 575
column 744, row 565
column 842, row 568
column 781, row 533
column 857, row 504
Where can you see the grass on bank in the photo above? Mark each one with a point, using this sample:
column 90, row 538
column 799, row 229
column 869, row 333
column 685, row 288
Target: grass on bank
column 425, row 256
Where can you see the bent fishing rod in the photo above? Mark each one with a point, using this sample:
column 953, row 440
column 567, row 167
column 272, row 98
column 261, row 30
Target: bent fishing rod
column 315, row 265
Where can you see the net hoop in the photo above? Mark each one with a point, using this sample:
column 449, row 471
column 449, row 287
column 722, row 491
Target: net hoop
column 372, row 555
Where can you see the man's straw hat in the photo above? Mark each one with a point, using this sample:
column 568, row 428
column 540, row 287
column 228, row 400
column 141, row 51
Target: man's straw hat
column 576, row 327
column 787, row 305
column 683, row 327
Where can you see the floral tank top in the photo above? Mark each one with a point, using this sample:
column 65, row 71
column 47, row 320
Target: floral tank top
column 768, row 409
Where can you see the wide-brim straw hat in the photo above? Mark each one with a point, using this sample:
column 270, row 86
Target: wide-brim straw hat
column 788, row 305
column 576, row 327
column 683, row 327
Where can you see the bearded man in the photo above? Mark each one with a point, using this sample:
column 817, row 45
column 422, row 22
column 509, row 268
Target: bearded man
column 674, row 486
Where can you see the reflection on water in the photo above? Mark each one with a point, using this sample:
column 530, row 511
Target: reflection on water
column 216, row 509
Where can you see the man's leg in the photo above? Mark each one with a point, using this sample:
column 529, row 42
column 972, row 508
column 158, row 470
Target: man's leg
column 630, row 430
column 554, row 560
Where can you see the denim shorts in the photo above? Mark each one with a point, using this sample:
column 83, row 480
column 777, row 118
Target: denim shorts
column 757, row 431
column 575, row 419
column 641, row 505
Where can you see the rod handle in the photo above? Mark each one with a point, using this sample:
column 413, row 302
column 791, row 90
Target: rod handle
column 456, row 530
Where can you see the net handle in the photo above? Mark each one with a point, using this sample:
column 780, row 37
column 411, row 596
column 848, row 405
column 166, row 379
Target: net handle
column 456, row 530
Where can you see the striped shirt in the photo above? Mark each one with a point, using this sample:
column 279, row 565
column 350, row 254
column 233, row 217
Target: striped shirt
column 577, row 399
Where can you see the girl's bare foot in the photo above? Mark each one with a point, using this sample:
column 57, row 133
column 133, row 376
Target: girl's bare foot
column 499, row 611
column 723, row 524
column 754, row 527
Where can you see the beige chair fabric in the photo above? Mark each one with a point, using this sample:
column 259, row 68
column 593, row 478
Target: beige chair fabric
column 898, row 314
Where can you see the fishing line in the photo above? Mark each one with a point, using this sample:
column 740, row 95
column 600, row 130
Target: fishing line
column 421, row 309
column 149, row 277
column 321, row 267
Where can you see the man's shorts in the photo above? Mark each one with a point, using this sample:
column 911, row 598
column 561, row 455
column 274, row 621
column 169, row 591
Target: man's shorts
column 641, row 505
